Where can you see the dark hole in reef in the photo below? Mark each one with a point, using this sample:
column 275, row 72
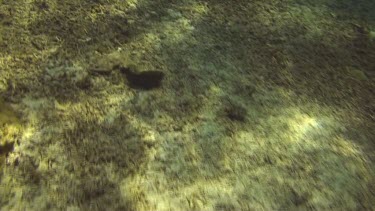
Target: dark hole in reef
column 6, row 148
column 42, row 5
column 145, row 80
column 299, row 199
column 236, row 113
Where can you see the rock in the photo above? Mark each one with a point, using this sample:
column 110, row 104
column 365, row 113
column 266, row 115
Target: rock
column 104, row 65
column 357, row 74
column 372, row 35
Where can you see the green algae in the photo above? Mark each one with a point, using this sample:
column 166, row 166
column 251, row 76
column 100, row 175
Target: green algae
column 238, row 123
column 7, row 114
column 9, row 127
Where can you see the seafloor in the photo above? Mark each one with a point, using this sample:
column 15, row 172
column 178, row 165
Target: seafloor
column 187, row 105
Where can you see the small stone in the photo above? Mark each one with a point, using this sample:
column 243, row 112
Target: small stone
column 372, row 35
column 106, row 64
column 357, row 74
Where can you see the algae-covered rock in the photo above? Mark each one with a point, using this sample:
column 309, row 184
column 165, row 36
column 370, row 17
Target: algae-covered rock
column 357, row 74
column 105, row 64
column 372, row 35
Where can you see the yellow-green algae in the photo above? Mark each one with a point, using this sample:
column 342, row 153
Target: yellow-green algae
column 104, row 146
column 9, row 127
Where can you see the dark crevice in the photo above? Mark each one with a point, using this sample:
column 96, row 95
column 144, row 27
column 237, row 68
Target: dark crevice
column 145, row 80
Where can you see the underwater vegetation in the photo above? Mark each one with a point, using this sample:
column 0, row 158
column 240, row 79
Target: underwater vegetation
column 187, row 105
column 9, row 129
